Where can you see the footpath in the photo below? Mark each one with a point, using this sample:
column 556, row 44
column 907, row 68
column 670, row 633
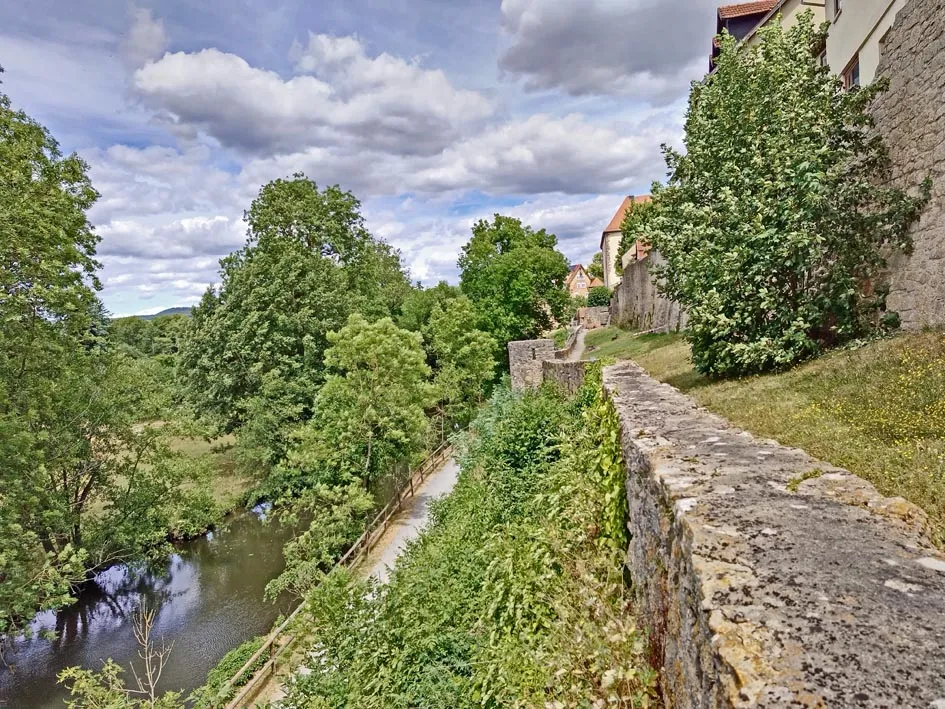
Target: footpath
column 402, row 529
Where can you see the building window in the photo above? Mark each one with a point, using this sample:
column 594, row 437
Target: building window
column 851, row 77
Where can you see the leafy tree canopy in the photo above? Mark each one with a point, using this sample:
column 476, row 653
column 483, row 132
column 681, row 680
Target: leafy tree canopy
column 369, row 415
column 596, row 267
column 465, row 364
column 598, row 296
column 257, row 344
column 515, row 278
column 773, row 224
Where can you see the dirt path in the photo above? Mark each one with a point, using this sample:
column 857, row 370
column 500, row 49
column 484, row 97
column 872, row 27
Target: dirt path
column 407, row 524
column 578, row 350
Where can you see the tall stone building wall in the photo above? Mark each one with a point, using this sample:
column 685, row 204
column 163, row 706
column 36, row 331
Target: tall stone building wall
column 638, row 304
column 911, row 119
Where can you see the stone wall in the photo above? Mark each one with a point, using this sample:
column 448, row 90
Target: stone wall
column 592, row 318
column 568, row 349
column 911, row 118
column 636, row 304
column 525, row 358
column 569, row 376
column 772, row 579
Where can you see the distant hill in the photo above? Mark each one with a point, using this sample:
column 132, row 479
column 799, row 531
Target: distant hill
column 169, row 311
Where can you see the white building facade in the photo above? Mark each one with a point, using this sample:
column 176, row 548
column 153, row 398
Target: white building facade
column 857, row 29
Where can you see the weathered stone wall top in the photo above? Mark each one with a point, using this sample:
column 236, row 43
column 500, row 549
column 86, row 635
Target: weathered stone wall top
column 525, row 358
column 772, row 579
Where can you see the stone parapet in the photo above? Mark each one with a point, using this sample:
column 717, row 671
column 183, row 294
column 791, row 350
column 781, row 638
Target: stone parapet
column 770, row 578
column 525, row 358
column 568, row 376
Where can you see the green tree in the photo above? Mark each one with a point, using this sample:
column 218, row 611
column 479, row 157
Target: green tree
column 369, row 415
column 253, row 357
column 329, row 222
column 47, row 306
column 596, row 267
column 515, row 278
column 67, row 404
column 420, row 302
column 773, row 224
column 264, row 333
column 598, row 296
column 465, row 365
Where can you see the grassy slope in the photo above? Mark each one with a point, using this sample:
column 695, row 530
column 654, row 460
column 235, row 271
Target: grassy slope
column 878, row 410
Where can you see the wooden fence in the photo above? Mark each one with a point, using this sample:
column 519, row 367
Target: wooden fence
column 277, row 643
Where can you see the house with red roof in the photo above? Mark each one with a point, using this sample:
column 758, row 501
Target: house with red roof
column 743, row 20
column 611, row 236
column 579, row 282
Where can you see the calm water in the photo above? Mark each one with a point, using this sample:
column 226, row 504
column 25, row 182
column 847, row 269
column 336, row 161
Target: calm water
column 209, row 596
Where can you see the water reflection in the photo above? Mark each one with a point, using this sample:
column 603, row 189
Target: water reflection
column 208, row 597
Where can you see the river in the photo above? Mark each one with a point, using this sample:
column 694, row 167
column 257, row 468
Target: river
column 210, row 599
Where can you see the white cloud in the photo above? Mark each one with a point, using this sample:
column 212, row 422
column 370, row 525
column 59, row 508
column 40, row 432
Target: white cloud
column 146, row 39
column 547, row 154
column 181, row 238
column 382, row 103
column 647, row 49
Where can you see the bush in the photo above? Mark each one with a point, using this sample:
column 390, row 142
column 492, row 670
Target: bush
column 772, row 224
column 598, row 296
column 516, row 583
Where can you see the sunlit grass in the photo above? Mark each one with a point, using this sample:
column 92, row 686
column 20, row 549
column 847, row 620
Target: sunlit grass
column 877, row 410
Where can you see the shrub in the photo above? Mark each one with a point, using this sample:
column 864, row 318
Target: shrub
column 515, row 584
column 598, row 296
column 773, row 225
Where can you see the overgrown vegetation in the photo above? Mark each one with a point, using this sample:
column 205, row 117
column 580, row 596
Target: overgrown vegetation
column 876, row 408
column 774, row 222
column 513, row 596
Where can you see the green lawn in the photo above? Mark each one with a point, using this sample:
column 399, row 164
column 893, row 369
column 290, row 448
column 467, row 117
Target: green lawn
column 877, row 410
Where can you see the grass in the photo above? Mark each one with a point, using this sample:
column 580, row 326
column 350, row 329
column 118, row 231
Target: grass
column 227, row 485
column 560, row 336
column 877, row 410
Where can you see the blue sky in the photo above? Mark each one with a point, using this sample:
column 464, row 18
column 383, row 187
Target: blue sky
column 434, row 112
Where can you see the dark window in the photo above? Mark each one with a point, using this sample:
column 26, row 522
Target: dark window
column 851, row 77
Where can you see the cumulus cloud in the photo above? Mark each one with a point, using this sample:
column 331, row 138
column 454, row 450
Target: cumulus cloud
column 189, row 237
column 547, row 154
column 146, row 39
column 647, row 49
column 341, row 97
column 160, row 180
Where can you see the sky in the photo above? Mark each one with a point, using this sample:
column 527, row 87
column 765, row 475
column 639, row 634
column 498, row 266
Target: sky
column 435, row 113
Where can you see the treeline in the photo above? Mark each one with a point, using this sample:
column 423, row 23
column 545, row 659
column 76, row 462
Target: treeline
column 333, row 372
column 776, row 220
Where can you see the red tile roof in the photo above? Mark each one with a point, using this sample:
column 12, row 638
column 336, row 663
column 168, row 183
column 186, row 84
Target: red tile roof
column 727, row 12
column 628, row 202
